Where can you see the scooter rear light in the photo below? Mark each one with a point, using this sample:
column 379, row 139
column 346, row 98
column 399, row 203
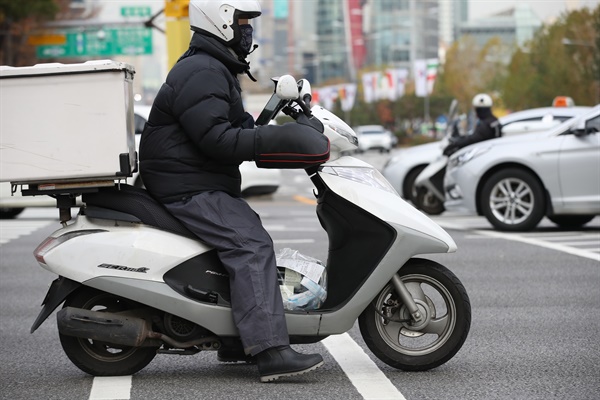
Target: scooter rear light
column 52, row 242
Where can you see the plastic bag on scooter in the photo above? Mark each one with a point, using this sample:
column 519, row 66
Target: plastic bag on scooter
column 302, row 280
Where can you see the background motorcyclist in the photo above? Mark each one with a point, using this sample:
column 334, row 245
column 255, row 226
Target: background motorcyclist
column 197, row 135
column 487, row 126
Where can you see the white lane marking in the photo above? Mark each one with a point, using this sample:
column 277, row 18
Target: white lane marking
column 370, row 382
column 10, row 230
column 542, row 243
column 111, row 388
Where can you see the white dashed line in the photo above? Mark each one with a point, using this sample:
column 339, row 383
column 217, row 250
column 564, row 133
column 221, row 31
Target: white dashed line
column 111, row 388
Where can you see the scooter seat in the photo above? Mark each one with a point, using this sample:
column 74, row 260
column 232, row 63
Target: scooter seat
column 136, row 201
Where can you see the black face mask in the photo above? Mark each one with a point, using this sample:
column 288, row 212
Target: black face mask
column 245, row 44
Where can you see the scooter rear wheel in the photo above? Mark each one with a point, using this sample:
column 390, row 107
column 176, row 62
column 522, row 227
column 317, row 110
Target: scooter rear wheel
column 410, row 346
column 100, row 358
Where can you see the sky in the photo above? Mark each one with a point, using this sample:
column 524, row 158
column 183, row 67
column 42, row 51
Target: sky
column 545, row 9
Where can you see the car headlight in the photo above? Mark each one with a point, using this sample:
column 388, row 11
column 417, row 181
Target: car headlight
column 461, row 158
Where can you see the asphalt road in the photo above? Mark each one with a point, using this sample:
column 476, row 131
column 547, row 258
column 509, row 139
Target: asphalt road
column 535, row 301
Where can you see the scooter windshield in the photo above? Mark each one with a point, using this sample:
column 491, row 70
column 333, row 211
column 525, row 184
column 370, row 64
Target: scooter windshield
column 366, row 176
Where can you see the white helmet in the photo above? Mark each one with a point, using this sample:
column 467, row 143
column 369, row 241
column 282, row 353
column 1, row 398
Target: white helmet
column 220, row 17
column 482, row 100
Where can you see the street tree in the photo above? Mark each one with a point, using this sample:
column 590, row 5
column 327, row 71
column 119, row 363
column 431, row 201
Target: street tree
column 470, row 68
column 561, row 59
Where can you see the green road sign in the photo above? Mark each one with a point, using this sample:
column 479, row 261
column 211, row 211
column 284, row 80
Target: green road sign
column 141, row 11
column 105, row 42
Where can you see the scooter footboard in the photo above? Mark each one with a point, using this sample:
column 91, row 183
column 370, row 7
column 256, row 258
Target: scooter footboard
column 215, row 318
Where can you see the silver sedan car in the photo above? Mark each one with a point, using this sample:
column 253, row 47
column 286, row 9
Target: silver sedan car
column 402, row 169
column 516, row 181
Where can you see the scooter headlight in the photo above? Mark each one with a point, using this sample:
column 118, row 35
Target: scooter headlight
column 366, row 176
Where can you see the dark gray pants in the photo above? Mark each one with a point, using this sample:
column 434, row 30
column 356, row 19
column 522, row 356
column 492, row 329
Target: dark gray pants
column 246, row 250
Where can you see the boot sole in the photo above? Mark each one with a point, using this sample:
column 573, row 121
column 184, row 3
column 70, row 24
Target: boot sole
column 271, row 378
column 236, row 360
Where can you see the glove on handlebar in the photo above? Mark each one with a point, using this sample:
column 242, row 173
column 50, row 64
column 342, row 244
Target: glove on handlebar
column 298, row 144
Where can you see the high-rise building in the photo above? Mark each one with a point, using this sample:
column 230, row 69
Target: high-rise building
column 330, row 41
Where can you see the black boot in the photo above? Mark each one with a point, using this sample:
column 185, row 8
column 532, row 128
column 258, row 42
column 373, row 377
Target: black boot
column 281, row 361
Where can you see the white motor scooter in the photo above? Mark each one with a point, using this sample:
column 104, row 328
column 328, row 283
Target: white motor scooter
column 136, row 283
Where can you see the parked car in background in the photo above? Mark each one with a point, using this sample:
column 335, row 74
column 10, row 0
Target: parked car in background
column 404, row 167
column 516, row 181
column 255, row 181
column 374, row 137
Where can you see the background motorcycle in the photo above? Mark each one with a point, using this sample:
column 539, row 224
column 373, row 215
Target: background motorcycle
column 429, row 184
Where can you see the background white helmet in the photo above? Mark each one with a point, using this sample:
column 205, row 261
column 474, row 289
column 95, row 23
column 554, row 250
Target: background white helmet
column 220, row 17
column 482, row 100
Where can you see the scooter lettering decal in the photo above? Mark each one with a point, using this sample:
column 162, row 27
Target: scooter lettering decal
column 123, row 268
column 208, row 271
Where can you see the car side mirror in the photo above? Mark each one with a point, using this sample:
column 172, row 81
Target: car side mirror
column 591, row 126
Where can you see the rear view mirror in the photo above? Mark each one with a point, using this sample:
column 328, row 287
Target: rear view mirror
column 587, row 127
column 287, row 88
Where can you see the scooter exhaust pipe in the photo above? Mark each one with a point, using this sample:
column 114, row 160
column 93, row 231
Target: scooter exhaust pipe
column 122, row 330
column 103, row 326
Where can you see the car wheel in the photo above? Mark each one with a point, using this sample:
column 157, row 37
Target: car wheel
column 409, row 191
column 9, row 213
column 513, row 200
column 571, row 221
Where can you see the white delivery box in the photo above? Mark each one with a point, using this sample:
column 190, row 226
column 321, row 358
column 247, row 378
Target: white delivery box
column 66, row 122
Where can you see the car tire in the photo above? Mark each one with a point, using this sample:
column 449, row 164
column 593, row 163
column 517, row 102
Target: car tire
column 409, row 192
column 9, row 213
column 513, row 200
column 571, row 221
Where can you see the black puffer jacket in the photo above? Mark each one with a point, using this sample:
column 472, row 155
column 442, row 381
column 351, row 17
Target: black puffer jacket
column 194, row 140
column 198, row 133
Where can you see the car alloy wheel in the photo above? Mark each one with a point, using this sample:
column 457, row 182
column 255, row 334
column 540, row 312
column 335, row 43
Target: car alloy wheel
column 513, row 200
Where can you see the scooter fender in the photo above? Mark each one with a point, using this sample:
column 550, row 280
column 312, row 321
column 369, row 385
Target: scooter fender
column 58, row 292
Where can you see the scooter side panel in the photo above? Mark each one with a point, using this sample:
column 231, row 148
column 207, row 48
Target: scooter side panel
column 216, row 319
column 129, row 250
column 392, row 209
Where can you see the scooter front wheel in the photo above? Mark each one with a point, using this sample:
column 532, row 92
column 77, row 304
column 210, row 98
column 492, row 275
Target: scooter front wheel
column 100, row 358
column 403, row 343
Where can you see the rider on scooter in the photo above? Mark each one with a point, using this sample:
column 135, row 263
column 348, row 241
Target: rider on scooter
column 487, row 126
column 197, row 135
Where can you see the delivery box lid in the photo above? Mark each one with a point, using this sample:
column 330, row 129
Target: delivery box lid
column 59, row 69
